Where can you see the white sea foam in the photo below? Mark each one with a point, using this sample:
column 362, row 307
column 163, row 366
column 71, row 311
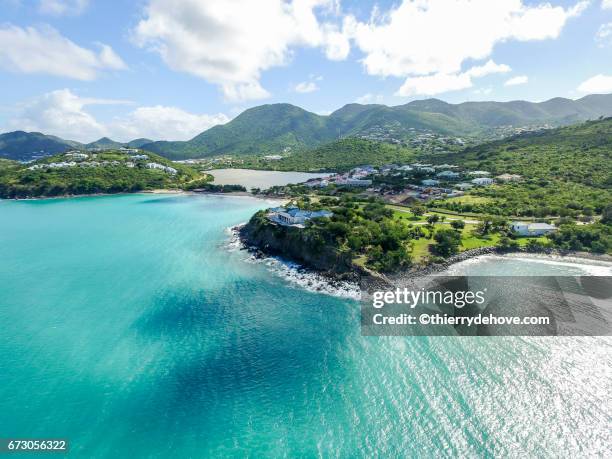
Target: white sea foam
column 295, row 274
column 588, row 267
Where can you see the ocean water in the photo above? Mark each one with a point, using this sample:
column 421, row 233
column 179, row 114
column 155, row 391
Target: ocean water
column 250, row 178
column 131, row 328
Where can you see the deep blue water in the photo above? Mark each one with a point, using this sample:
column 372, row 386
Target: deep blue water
column 130, row 329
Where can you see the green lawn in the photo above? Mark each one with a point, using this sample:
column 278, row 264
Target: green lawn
column 469, row 240
column 470, row 199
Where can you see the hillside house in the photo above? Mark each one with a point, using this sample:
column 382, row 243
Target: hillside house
column 293, row 216
column 532, row 229
column 430, row 182
column 483, row 181
column 449, row 175
column 509, row 178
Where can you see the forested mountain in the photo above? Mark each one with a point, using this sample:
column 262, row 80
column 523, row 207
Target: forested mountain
column 285, row 128
column 279, row 128
column 22, row 145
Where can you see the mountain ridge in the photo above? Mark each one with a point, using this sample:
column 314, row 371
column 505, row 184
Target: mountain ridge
column 273, row 128
column 284, row 128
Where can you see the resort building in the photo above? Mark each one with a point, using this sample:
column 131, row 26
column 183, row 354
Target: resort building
column 483, row 181
column 430, row 182
column 161, row 167
column 273, row 157
column 532, row 229
column 353, row 182
column 479, row 173
column 464, row 186
column 509, row 178
column 448, row 175
column 293, row 216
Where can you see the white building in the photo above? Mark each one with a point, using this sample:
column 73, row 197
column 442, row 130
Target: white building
column 448, row 175
column 353, row 182
column 464, row 186
column 430, row 182
column 483, row 181
column 480, row 173
column 532, row 229
column 161, row 167
column 508, row 178
column 295, row 217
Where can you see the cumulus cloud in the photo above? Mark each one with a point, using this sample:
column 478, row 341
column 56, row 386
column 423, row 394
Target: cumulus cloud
column 434, row 84
column 160, row 122
column 438, row 83
column 231, row 43
column 370, row 98
column 599, row 84
column 59, row 113
column 65, row 114
column 429, row 41
column 606, row 4
column 306, row 86
column 62, row 7
column 603, row 37
column 44, row 50
column 517, row 80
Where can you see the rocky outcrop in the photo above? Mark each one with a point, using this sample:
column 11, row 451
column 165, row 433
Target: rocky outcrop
column 298, row 245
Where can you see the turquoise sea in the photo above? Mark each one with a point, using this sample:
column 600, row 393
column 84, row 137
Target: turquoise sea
column 129, row 328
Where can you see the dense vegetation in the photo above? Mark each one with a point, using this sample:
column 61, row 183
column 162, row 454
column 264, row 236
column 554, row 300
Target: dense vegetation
column 273, row 128
column 566, row 171
column 21, row 145
column 365, row 233
column 21, row 182
column 337, row 156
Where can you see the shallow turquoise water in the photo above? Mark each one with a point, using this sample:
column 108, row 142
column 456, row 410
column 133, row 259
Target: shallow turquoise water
column 131, row 330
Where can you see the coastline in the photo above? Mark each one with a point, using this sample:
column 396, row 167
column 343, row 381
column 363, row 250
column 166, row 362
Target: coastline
column 156, row 191
column 368, row 280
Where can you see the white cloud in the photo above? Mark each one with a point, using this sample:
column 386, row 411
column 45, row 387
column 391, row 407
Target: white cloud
column 45, row 50
column 606, row 4
column 603, row 37
column 599, row 84
column 64, row 114
column 434, row 84
column 168, row 123
column 306, row 86
column 62, row 7
column 429, row 41
column 483, row 91
column 517, row 80
column 370, row 98
column 487, row 69
column 231, row 43
column 59, row 113
column 438, row 83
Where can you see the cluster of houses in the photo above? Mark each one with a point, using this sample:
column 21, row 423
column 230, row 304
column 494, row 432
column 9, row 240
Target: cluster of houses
column 161, row 167
column 78, row 159
column 442, row 180
column 294, row 216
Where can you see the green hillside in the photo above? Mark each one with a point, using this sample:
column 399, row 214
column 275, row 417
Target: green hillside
column 340, row 155
column 259, row 130
column 107, row 172
column 564, row 169
column 104, row 143
column 279, row 128
column 20, row 145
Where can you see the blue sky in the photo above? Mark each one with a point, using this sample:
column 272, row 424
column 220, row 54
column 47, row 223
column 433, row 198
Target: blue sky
column 167, row 69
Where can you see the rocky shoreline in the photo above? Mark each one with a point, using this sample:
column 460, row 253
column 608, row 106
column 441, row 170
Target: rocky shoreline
column 368, row 280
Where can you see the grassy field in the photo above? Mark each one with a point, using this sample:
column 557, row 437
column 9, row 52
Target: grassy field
column 469, row 240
